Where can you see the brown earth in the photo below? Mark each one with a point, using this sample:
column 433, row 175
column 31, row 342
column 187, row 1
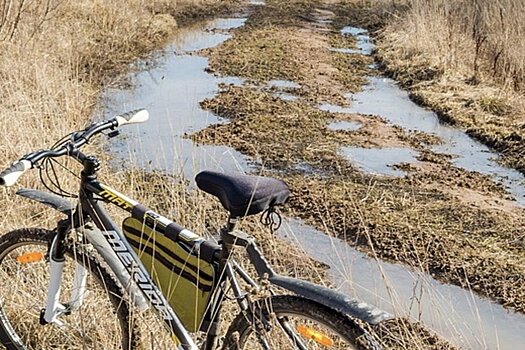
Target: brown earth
column 426, row 219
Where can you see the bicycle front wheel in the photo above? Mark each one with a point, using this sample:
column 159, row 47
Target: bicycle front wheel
column 100, row 322
column 291, row 322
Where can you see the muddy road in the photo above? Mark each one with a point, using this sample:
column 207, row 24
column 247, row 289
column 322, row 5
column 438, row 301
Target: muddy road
column 459, row 225
column 292, row 92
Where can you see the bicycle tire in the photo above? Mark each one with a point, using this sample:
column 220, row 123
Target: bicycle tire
column 20, row 327
column 344, row 333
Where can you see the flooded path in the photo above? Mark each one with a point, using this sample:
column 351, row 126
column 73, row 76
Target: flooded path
column 172, row 90
column 383, row 97
column 460, row 316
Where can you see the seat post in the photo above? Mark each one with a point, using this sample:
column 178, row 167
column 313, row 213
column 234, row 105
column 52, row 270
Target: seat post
column 230, row 224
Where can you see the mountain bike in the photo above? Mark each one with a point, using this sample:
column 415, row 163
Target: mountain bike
column 81, row 284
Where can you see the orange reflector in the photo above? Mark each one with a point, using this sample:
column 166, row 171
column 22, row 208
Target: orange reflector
column 316, row 336
column 30, row 257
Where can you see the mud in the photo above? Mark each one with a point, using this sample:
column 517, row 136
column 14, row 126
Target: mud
column 285, row 258
column 459, row 226
column 270, row 51
column 454, row 224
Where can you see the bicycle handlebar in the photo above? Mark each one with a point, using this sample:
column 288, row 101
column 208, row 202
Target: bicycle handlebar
column 132, row 117
column 9, row 176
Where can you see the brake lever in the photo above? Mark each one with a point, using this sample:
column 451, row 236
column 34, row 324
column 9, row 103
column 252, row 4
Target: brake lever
column 113, row 133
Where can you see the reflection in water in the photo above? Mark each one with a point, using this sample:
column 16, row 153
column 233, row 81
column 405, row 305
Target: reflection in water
column 285, row 96
column 459, row 315
column 379, row 161
column 283, row 84
column 364, row 45
column 347, row 51
column 383, row 97
column 172, row 93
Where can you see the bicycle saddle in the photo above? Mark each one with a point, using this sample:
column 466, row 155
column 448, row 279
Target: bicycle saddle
column 243, row 195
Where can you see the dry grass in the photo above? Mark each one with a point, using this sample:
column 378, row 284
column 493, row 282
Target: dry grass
column 407, row 220
column 273, row 48
column 53, row 67
column 482, row 39
column 62, row 61
column 62, row 57
column 463, row 59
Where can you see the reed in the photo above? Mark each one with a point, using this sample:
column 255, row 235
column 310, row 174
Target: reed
column 480, row 38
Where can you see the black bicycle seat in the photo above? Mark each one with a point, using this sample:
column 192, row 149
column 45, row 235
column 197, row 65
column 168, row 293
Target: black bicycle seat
column 243, row 195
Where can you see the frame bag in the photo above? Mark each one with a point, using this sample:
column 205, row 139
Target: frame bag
column 185, row 278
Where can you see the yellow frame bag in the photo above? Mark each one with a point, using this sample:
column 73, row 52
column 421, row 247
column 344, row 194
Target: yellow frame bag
column 186, row 280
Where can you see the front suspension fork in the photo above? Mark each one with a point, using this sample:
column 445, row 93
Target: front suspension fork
column 54, row 309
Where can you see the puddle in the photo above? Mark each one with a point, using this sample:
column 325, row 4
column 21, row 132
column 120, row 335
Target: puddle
column 348, row 51
column 343, row 125
column 204, row 36
column 285, row 96
column 353, row 31
column 383, row 97
column 458, row 315
column 283, row 84
column 226, row 24
column 171, row 92
column 364, row 45
column 380, row 161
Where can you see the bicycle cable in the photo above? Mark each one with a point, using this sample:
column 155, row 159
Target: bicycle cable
column 48, row 174
column 271, row 219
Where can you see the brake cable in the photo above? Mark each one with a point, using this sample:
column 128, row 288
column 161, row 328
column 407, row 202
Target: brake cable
column 271, row 219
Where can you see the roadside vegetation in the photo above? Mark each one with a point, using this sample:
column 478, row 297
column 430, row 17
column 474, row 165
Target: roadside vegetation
column 56, row 56
column 463, row 59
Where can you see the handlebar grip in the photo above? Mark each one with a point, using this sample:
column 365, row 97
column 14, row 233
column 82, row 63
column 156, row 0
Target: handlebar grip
column 132, row 117
column 9, row 176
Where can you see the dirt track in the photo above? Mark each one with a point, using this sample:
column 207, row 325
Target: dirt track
column 459, row 226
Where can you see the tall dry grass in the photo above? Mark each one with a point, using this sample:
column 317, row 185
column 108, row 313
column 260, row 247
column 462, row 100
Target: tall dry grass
column 483, row 39
column 55, row 56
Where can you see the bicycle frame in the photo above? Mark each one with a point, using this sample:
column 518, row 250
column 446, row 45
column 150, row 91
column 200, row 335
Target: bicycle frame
column 114, row 247
column 93, row 223
column 121, row 255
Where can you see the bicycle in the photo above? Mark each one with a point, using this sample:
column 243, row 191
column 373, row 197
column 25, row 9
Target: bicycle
column 154, row 262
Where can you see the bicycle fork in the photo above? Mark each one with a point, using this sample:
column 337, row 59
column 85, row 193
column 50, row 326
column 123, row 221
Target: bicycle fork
column 54, row 309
